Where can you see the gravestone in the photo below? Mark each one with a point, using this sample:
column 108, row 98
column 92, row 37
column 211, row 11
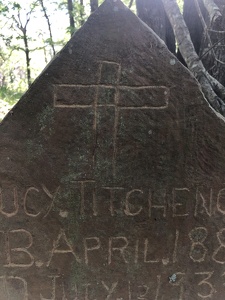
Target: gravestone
column 112, row 174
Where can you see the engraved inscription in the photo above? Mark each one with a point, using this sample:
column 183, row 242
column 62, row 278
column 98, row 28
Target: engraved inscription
column 117, row 244
column 217, row 257
column 179, row 282
column 198, row 249
column 205, row 282
column 109, row 290
column 203, row 245
column 13, row 287
column 132, row 202
column 14, row 254
column 27, row 201
column 95, row 241
column 203, row 287
column 19, row 246
column 15, row 203
column 26, row 209
column 56, row 245
column 53, row 291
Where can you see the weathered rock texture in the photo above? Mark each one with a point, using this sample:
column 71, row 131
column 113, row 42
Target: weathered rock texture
column 112, row 174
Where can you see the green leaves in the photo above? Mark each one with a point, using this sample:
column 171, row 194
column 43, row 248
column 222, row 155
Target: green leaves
column 16, row 6
column 3, row 8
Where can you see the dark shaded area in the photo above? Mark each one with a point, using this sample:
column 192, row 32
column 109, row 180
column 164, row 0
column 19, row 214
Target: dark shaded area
column 153, row 14
column 94, row 5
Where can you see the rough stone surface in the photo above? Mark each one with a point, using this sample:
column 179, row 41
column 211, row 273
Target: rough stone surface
column 112, row 174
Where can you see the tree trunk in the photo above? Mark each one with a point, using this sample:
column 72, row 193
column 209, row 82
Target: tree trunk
column 27, row 53
column 153, row 14
column 191, row 18
column 51, row 43
column 213, row 10
column 214, row 60
column 81, row 12
column 71, row 17
column 131, row 3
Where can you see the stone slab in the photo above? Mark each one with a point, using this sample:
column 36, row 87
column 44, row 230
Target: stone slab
column 112, row 174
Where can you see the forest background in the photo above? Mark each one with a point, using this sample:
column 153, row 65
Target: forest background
column 33, row 31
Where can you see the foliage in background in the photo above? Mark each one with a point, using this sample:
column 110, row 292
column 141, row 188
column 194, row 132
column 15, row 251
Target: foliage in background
column 30, row 36
column 32, row 31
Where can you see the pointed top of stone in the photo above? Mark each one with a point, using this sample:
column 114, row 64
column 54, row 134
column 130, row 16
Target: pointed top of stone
column 112, row 174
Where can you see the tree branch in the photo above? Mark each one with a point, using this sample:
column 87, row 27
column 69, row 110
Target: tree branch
column 212, row 89
column 213, row 10
column 216, row 31
column 131, row 3
column 213, row 46
column 71, row 18
column 49, row 25
column 203, row 24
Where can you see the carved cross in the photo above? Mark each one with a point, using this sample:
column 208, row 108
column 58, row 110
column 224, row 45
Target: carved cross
column 109, row 93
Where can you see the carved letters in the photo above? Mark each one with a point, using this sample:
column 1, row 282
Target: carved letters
column 21, row 251
column 179, row 203
column 133, row 202
column 203, row 285
column 9, row 287
column 112, row 249
column 15, row 203
column 30, row 194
